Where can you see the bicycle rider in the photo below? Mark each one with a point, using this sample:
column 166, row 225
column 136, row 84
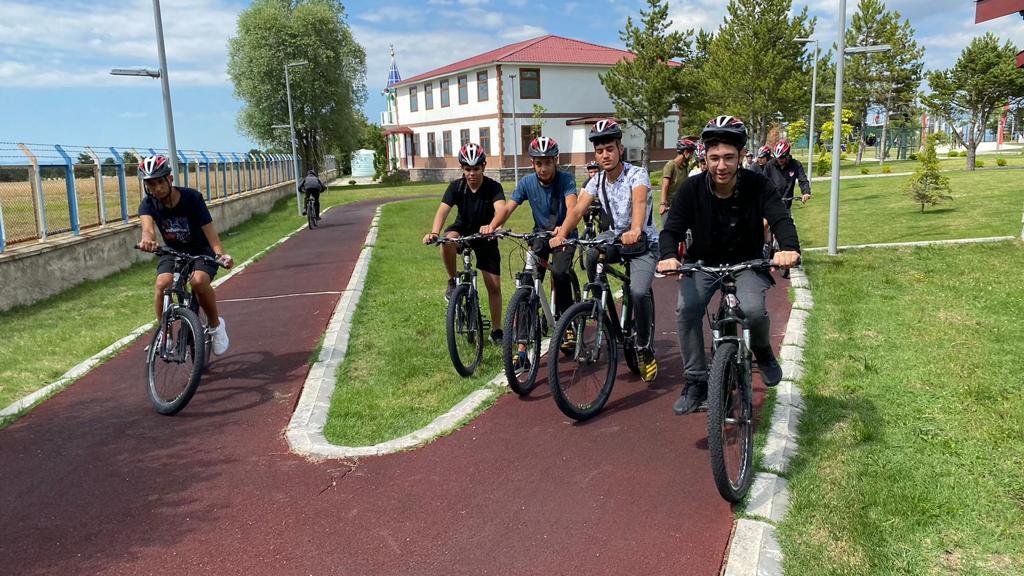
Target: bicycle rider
column 593, row 168
column 785, row 171
column 674, row 172
column 184, row 221
column 480, row 201
column 764, row 154
column 701, row 166
column 551, row 194
column 311, row 186
column 624, row 193
column 724, row 210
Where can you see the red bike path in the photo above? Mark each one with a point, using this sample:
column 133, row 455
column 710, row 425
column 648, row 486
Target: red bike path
column 93, row 481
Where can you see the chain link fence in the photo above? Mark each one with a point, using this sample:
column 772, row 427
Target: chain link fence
column 50, row 189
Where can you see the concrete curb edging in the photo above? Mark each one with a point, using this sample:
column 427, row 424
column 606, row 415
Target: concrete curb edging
column 305, row 431
column 754, row 550
column 81, row 369
column 985, row 240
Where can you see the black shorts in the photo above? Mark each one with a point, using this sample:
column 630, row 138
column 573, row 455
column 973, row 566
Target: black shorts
column 488, row 257
column 166, row 266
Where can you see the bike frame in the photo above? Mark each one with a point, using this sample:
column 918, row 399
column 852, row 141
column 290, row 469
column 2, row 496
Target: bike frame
column 622, row 327
column 183, row 269
column 729, row 324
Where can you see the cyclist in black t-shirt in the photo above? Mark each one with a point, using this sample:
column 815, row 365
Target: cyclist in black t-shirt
column 181, row 216
column 480, row 202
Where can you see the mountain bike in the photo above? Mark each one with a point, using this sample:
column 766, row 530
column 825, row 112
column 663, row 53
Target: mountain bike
column 592, row 330
column 311, row 214
column 464, row 323
column 529, row 317
column 181, row 346
column 730, row 388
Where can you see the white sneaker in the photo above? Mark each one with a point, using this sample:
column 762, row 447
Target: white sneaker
column 219, row 335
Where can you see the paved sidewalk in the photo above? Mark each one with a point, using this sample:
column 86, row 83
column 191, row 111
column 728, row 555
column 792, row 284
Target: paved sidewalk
column 96, row 482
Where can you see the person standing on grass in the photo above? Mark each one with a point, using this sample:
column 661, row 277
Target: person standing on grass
column 184, row 222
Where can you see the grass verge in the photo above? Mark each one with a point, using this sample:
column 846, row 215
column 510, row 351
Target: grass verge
column 911, row 441
column 43, row 340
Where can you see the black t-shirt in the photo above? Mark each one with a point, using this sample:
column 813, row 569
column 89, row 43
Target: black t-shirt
column 476, row 209
column 182, row 224
column 726, row 232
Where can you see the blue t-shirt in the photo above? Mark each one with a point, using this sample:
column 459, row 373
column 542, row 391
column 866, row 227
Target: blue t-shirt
column 182, row 224
column 545, row 215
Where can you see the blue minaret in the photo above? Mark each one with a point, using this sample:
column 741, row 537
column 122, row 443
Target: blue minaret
column 391, row 100
column 393, row 76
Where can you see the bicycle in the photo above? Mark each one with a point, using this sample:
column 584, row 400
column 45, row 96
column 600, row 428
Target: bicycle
column 465, row 325
column 593, row 330
column 311, row 214
column 174, row 364
column 730, row 385
column 529, row 316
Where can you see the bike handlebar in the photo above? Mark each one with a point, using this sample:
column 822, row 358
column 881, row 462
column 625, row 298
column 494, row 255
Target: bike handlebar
column 464, row 239
column 167, row 251
column 759, row 264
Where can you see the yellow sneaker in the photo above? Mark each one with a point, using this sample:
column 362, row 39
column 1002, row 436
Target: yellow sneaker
column 648, row 365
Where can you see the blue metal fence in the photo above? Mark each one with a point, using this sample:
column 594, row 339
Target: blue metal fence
column 52, row 189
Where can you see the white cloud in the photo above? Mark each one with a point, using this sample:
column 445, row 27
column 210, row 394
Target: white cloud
column 522, row 32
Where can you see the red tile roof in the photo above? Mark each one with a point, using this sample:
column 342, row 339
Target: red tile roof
column 548, row 49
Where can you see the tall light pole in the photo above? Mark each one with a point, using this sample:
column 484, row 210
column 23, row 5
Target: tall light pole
column 291, row 127
column 515, row 130
column 814, row 94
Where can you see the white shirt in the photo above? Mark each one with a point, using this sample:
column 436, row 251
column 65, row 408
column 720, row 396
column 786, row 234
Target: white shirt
column 620, row 198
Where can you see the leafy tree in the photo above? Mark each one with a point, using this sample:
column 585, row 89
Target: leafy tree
column 928, row 186
column 693, row 106
column 984, row 78
column 888, row 80
column 796, row 130
column 755, row 70
column 845, row 132
column 327, row 94
column 84, row 158
column 538, row 119
column 372, row 138
column 644, row 88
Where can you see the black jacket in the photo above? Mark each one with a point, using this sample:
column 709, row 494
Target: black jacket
column 784, row 179
column 691, row 210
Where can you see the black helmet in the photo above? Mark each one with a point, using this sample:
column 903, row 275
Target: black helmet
column 728, row 129
column 543, row 147
column 607, row 129
column 472, row 155
column 155, row 167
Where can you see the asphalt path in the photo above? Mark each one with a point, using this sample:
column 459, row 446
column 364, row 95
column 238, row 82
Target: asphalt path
column 93, row 481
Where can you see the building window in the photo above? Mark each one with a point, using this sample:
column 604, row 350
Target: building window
column 416, row 144
column 463, row 137
column 431, row 145
column 530, row 131
column 414, row 104
column 446, row 138
column 463, row 90
column 481, row 86
column 428, row 96
column 529, row 82
column 445, row 96
column 485, row 140
column 659, row 136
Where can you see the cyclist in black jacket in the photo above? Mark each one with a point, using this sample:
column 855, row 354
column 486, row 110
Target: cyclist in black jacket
column 785, row 171
column 724, row 208
column 312, row 186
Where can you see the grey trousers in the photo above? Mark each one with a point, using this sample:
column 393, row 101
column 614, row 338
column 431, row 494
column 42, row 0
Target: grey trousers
column 694, row 295
column 641, row 275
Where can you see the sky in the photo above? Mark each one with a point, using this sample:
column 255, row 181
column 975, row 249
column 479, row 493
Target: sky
column 55, row 56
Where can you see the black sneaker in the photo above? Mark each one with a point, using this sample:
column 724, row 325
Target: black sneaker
column 448, row 291
column 497, row 336
column 771, row 372
column 693, row 399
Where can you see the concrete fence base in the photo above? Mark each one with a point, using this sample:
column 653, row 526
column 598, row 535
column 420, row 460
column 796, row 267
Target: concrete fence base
column 32, row 272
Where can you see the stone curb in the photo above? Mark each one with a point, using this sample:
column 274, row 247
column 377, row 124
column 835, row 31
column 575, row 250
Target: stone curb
column 769, row 497
column 754, row 551
column 987, row 240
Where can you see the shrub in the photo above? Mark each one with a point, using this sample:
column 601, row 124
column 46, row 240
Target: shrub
column 979, row 163
column 886, row 169
column 395, row 177
column 928, row 186
column 351, row 182
column 912, row 156
column 842, row 155
column 823, row 167
column 865, row 171
column 1000, row 161
column 953, row 154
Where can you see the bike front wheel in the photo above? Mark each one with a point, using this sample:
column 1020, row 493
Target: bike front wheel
column 582, row 380
column 730, row 424
column 465, row 331
column 175, row 363
column 522, row 339
column 310, row 216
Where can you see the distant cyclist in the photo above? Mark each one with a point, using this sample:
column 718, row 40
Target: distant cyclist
column 675, row 171
column 764, row 155
column 312, row 186
column 480, row 201
column 593, row 168
column 785, row 172
column 184, row 221
column 701, row 166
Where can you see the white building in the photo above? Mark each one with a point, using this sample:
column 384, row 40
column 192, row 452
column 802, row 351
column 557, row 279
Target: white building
column 490, row 99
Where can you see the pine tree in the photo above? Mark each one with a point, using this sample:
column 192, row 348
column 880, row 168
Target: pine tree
column 928, row 186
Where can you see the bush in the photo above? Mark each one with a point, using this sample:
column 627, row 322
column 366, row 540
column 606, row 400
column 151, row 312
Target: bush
column 912, row 156
column 953, row 154
column 823, row 167
column 865, row 171
column 979, row 163
column 842, row 155
column 351, row 182
column 395, row 177
column 1000, row 161
column 886, row 169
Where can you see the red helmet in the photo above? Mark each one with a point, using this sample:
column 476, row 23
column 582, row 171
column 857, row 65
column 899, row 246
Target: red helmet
column 782, row 148
column 685, row 144
column 701, row 151
column 728, row 129
column 543, row 147
column 607, row 129
column 764, row 152
column 154, row 167
column 472, row 155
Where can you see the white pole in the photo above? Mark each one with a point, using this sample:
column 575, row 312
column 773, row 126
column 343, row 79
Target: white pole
column 837, row 123
column 291, row 127
column 172, row 149
column 515, row 130
column 810, row 133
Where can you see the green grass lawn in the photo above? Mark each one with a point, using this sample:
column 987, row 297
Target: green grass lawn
column 912, row 440
column 42, row 341
column 397, row 376
column 872, row 210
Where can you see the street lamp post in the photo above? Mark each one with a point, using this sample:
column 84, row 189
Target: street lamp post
column 814, row 94
column 515, row 130
column 291, row 127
